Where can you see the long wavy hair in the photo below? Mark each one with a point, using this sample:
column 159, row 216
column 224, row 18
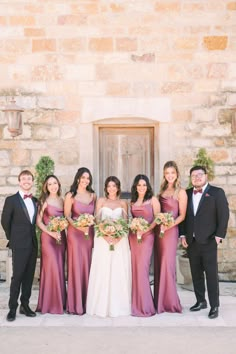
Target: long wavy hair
column 45, row 193
column 117, row 183
column 164, row 183
column 134, row 194
column 79, row 173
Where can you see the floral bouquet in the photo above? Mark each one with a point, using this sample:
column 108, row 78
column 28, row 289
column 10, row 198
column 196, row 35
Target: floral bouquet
column 139, row 224
column 165, row 219
column 57, row 224
column 84, row 220
column 113, row 228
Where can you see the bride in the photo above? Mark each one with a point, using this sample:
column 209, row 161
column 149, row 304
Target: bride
column 109, row 289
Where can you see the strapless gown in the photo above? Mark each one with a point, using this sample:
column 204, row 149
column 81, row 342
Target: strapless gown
column 52, row 287
column 109, row 290
column 142, row 299
column 79, row 261
column 165, row 292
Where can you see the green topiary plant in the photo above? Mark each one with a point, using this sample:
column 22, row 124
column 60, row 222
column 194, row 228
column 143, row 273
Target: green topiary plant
column 202, row 159
column 44, row 167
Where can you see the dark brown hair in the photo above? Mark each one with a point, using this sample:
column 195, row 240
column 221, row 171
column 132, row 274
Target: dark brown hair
column 134, row 193
column 25, row 173
column 117, row 183
column 79, row 173
column 195, row 168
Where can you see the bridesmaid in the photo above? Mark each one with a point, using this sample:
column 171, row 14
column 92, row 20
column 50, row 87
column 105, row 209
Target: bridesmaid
column 143, row 204
column 172, row 199
column 79, row 200
column 52, row 287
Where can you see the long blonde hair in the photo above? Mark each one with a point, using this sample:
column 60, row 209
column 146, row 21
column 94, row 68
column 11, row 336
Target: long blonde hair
column 164, row 183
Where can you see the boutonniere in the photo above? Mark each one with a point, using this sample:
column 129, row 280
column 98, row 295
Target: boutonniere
column 207, row 195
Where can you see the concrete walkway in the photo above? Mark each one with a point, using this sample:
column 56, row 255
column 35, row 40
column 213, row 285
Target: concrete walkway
column 165, row 333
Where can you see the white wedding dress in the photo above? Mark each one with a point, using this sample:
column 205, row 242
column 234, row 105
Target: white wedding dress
column 109, row 289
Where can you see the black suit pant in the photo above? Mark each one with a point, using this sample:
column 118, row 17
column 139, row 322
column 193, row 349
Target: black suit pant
column 203, row 263
column 23, row 268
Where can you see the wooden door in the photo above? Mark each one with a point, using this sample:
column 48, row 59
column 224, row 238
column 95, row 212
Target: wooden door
column 124, row 153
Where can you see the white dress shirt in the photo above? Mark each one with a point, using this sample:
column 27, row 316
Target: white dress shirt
column 196, row 199
column 29, row 205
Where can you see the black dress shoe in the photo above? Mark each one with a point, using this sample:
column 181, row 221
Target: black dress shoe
column 199, row 306
column 214, row 312
column 26, row 310
column 11, row 316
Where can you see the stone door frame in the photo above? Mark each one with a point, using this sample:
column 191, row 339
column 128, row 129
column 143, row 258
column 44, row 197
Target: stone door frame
column 110, row 111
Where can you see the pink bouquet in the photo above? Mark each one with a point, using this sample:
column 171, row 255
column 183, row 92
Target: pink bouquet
column 138, row 225
column 84, row 220
column 165, row 219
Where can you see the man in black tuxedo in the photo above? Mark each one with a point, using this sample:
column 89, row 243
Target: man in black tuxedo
column 18, row 221
column 205, row 225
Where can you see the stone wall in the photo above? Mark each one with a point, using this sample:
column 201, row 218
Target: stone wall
column 57, row 53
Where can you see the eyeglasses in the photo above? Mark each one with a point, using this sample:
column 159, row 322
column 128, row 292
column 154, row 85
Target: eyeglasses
column 198, row 175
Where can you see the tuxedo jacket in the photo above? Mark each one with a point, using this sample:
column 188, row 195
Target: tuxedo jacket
column 211, row 218
column 16, row 223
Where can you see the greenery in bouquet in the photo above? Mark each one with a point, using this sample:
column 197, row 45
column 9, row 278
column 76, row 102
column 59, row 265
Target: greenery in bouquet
column 139, row 225
column 113, row 228
column 165, row 219
column 84, row 220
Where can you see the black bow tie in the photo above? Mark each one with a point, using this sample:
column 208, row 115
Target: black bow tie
column 195, row 191
column 27, row 196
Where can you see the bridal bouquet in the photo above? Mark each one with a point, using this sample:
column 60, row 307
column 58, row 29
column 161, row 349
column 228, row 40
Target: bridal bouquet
column 57, row 224
column 138, row 225
column 112, row 228
column 84, row 220
column 165, row 219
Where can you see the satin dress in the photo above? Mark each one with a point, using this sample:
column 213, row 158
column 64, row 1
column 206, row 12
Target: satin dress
column 109, row 291
column 165, row 292
column 142, row 299
column 52, row 287
column 79, row 260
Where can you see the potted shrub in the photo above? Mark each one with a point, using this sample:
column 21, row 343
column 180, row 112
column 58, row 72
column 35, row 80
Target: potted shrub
column 43, row 168
column 202, row 159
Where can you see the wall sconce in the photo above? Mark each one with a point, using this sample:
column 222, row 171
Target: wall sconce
column 14, row 118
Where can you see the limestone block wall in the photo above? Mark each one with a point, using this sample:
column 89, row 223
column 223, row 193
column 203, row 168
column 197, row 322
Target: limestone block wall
column 57, row 53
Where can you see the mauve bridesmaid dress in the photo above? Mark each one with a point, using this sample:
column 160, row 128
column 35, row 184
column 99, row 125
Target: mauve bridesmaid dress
column 79, row 260
column 142, row 299
column 52, row 287
column 165, row 292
